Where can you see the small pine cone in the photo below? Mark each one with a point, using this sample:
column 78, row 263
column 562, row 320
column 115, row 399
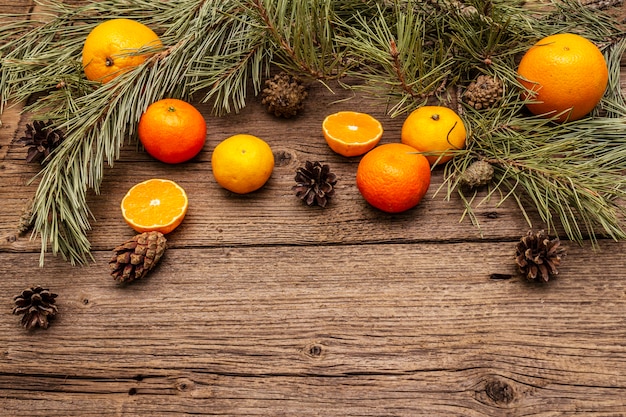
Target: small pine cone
column 315, row 184
column 484, row 92
column 284, row 95
column 479, row 173
column 26, row 219
column 37, row 305
column 134, row 258
column 538, row 257
column 41, row 138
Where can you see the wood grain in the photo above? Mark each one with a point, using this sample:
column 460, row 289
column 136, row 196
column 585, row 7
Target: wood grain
column 401, row 329
column 262, row 306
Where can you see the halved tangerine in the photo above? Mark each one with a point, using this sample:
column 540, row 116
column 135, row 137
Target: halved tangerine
column 155, row 204
column 351, row 133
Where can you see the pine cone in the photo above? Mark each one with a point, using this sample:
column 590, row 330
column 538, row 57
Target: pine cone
column 41, row 139
column 484, row 92
column 37, row 306
column 479, row 173
column 134, row 258
column 26, row 218
column 315, row 183
column 284, row 95
column 537, row 256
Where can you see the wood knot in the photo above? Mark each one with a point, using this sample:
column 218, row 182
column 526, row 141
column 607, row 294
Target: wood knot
column 314, row 350
column 282, row 158
column 499, row 391
column 184, row 385
column 491, row 214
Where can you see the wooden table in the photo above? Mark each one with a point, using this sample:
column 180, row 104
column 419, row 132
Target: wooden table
column 263, row 306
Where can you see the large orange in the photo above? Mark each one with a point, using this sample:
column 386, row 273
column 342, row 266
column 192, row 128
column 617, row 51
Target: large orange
column 565, row 75
column 351, row 133
column 155, row 204
column 111, row 48
column 393, row 177
column 435, row 131
column 242, row 163
column 172, row 130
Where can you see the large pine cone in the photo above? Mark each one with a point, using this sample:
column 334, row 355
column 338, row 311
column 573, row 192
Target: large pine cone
column 37, row 305
column 133, row 259
column 538, row 257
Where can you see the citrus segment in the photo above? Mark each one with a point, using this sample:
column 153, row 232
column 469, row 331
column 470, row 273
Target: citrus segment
column 154, row 205
column 242, row 163
column 564, row 75
column 111, row 48
column 435, row 131
column 172, row 130
column 393, row 177
column 351, row 133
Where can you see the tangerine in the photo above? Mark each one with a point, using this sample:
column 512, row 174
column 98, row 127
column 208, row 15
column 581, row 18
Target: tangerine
column 434, row 130
column 155, row 205
column 172, row 130
column 242, row 163
column 393, row 177
column 565, row 76
column 351, row 133
column 111, row 48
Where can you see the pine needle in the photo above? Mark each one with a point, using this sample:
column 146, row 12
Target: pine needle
column 405, row 52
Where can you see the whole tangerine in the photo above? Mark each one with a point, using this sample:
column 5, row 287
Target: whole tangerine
column 564, row 76
column 393, row 177
column 111, row 48
column 242, row 163
column 435, row 131
column 172, row 130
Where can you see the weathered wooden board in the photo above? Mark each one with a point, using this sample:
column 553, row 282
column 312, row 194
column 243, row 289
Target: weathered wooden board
column 382, row 329
column 265, row 307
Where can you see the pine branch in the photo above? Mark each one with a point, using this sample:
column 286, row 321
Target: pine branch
column 303, row 36
column 98, row 119
column 407, row 52
column 401, row 58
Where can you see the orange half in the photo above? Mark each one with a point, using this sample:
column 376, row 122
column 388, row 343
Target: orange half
column 154, row 205
column 351, row 133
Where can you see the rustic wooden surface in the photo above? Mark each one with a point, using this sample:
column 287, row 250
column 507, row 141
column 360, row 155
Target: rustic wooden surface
column 265, row 307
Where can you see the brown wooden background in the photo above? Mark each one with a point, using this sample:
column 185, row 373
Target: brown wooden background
column 265, row 307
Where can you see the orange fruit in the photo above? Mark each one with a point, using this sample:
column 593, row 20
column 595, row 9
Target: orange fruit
column 172, row 130
column 242, row 163
column 393, row 177
column 111, row 48
column 351, row 133
column 434, row 130
column 154, row 205
column 564, row 75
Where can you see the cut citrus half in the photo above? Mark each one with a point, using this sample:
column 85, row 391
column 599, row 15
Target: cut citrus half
column 155, row 204
column 351, row 133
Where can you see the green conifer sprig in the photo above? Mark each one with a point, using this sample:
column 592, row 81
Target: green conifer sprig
column 405, row 52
